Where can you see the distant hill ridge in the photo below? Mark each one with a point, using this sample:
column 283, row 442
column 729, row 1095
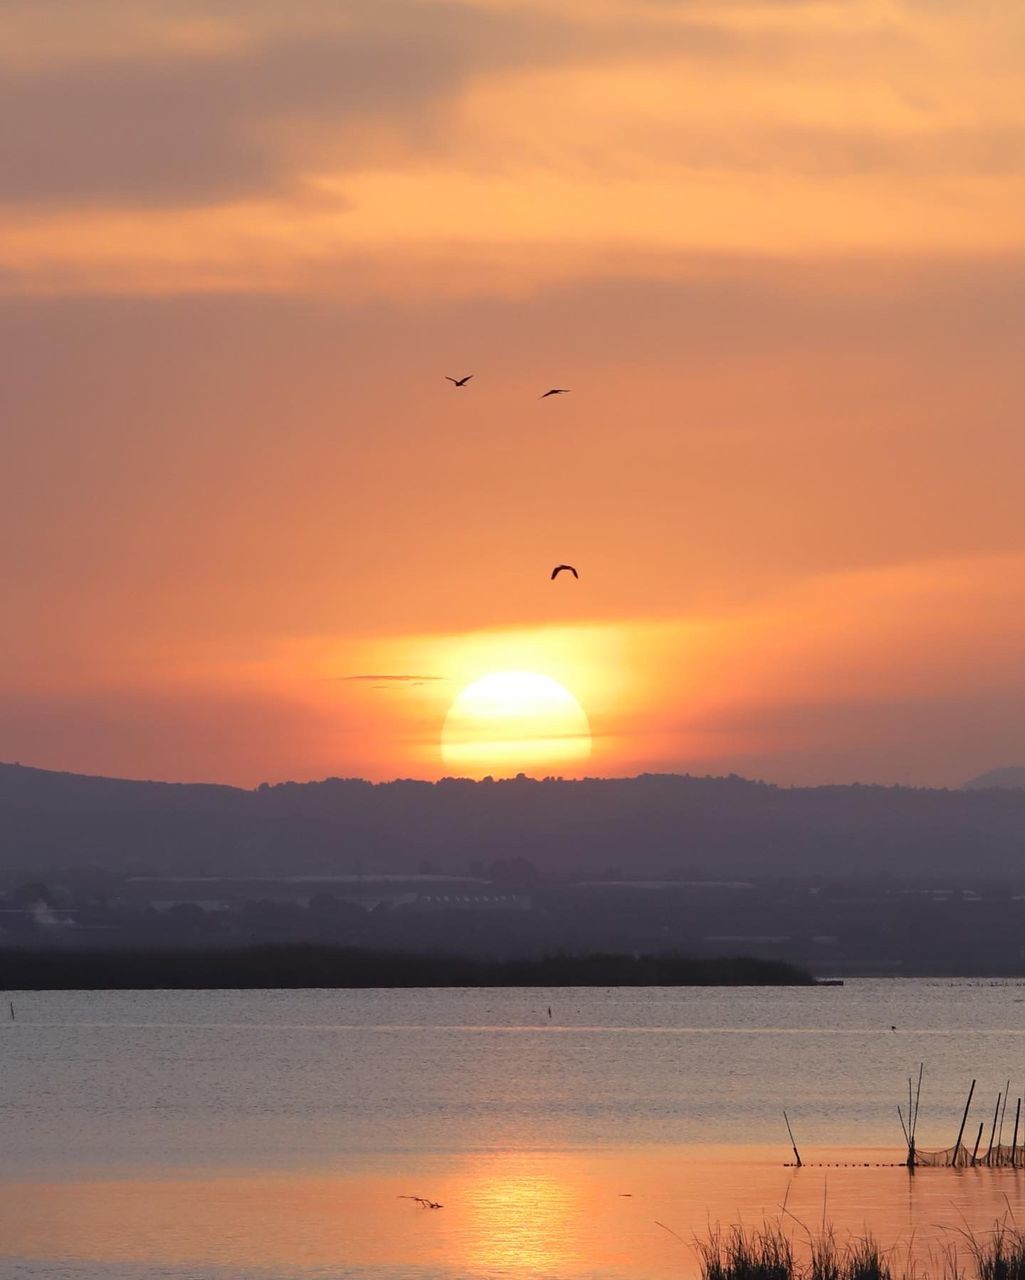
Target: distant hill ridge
column 653, row 824
column 1012, row 777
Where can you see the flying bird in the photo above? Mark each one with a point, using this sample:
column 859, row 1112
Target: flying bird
column 559, row 568
column 555, row 391
column 459, row 382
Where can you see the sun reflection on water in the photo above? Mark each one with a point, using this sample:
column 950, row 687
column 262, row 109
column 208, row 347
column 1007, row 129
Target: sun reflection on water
column 521, row 1222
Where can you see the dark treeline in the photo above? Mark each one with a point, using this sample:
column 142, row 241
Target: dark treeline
column 341, row 967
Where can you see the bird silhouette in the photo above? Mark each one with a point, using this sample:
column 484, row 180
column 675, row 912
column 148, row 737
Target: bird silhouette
column 559, row 568
column 459, row 382
column 555, row 391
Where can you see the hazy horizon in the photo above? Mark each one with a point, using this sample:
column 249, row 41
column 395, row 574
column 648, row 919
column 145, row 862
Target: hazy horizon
column 520, row 775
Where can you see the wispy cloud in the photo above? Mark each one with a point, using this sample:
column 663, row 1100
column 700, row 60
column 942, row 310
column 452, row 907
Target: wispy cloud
column 391, row 681
column 253, row 113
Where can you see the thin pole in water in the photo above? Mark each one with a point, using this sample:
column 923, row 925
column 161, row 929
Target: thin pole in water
column 993, row 1131
column 1014, row 1140
column 1003, row 1112
column 911, row 1108
column 913, row 1116
column 978, row 1139
column 910, row 1161
column 964, row 1121
column 904, row 1128
column 797, row 1154
column 918, row 1101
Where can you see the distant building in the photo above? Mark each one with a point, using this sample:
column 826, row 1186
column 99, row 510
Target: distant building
column 475, row 901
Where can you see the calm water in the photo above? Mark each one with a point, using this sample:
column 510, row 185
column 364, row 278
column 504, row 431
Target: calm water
column 273, row 1134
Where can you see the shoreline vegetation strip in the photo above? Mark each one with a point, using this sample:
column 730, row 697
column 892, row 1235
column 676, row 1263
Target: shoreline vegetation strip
column 312, row 966
column 774, row 1252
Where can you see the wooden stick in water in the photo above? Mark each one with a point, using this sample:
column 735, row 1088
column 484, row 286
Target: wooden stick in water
column 978, row 1139
column 918, row 1100
column 913, row 1116
column 911, row 1109
column 1003, row 1112
column 910, row 1161
column 1014, row 1140
column 993, row 1131
column 964, row 1121
column 797, row 1154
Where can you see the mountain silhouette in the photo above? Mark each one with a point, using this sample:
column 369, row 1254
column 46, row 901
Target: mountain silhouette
column 653, row 824
column 1012, row 777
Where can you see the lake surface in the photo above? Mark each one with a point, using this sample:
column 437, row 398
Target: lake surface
column 222, row 1135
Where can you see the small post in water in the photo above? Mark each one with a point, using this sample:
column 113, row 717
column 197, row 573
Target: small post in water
column 1003, row 1112
column 1014, row 1140
column 913, row 1116
column 797, row 1154
column 993, row 1132
column 964, row 1121
column 903, row 1126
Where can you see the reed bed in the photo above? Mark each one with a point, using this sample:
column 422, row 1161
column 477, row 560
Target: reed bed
column 1001, row 1256
column 769, row 1252
column 740, row 1254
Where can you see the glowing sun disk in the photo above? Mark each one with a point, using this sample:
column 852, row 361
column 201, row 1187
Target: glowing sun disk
column 509, row 721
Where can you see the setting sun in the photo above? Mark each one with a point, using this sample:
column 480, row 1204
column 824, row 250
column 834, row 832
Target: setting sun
column 509, row 721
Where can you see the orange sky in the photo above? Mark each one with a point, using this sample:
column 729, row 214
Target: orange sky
column 776, row 249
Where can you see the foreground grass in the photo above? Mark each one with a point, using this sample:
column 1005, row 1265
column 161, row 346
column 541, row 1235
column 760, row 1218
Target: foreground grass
column 1002, row 1257
column 770, row 1253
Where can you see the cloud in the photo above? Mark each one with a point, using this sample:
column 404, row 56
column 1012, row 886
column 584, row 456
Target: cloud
column 843, row 149
column 385, row 682
column 359, row 83
column 182, row 128
column 224, row 117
